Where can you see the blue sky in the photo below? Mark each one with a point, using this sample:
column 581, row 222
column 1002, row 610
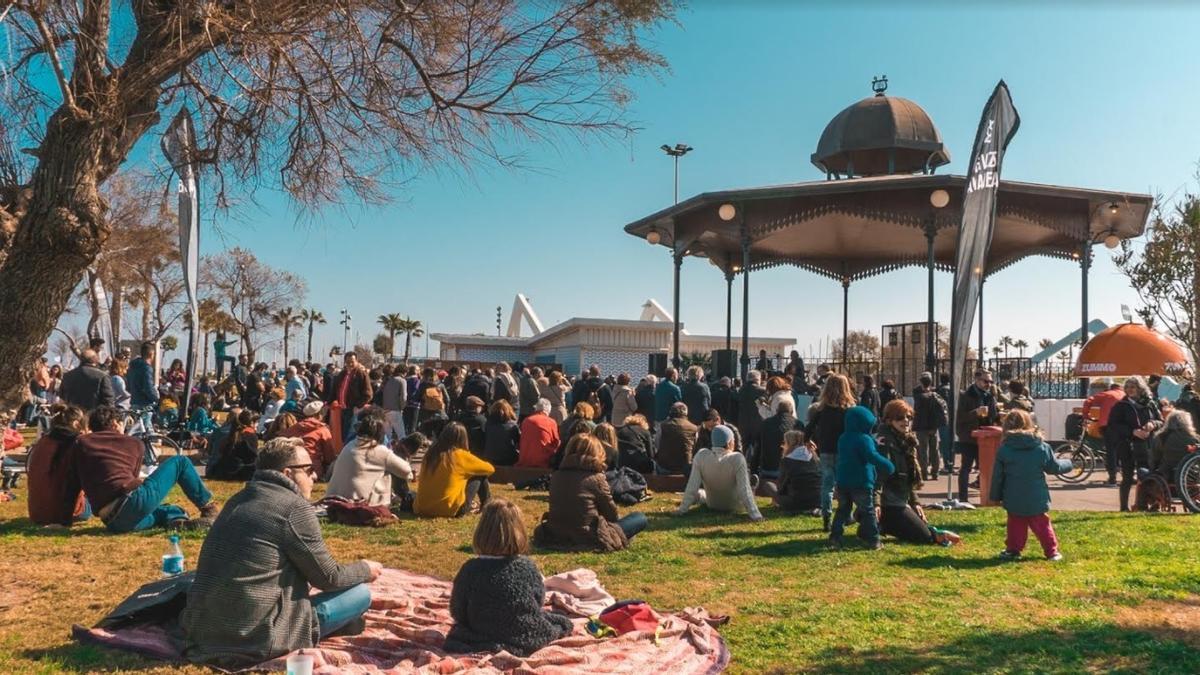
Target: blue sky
column 1107, row 97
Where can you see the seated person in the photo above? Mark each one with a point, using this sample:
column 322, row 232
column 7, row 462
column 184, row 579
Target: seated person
column 712, row 420
column 497, row 597
column 106, row 464
column 200, row 424
column 284, row 420
column 501, row 435
column 317, row 437
column 539, row 437
column 48, row 471
column 635, row 445
column 676, row 441
column 1170, row 445
column 238, row 452
column 473, row 419
column 250, row 600
column 366, row 466
column 799, row 477
column 168, row 411
column 583, row 515
column 451, row 476
column 274, row 403
column 720, row 479
column 607, row 435
column 583, row 413
column 766, row 463
column 295, row 402
column 900, row 514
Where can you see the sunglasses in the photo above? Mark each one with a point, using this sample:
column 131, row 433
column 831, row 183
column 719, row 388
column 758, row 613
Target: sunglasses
column 308, row 468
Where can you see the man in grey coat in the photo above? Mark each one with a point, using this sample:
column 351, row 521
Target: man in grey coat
column 250, row 601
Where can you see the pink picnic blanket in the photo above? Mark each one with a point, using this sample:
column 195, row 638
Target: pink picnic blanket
column 410, row 616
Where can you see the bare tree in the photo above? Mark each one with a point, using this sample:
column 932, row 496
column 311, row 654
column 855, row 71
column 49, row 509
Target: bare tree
column 334, row 98
column 249, row 291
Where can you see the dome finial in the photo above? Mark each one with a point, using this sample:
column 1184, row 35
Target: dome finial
column 879, row 85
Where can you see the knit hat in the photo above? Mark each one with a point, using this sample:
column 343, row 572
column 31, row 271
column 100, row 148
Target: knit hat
column 721, row 435
column 313, row 409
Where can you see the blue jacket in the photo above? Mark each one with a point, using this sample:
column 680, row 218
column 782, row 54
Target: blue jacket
column 698, row 398
column 140, row 381
column 857, row 456
column 1019, row 475
column 665, row 395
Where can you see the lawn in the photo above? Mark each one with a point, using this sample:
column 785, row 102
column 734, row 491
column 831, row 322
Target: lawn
column 1126, row 598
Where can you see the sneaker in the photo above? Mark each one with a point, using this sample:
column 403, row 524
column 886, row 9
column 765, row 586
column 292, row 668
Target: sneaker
column 1009, row 555
column 877, row 546
column 754, row 480
column 208, row 515
column 1057, row 557
column 825, row 522
column 834, row 543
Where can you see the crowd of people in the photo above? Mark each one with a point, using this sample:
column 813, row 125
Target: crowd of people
column 402, row 438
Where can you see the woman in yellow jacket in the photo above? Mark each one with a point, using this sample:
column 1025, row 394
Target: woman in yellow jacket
column 451, row 476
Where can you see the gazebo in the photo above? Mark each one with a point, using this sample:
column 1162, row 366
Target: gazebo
column 882, row 207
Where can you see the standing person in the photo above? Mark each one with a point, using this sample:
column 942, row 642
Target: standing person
column 498, row 597
column 366, row 467
column 413, row 381
column 666, row 395
column 676, row 443
column 451, row 476
column 795, row 371
column 1104, row 402
column 887, row 393
column 823, row 373
column 501, row 435
column 1018, row 397
column 256, row 386
column 869, row 398
column 539, row 437
column 506, row 386
column 724, row 399
column 857, row 461
column 477, row 384
column 140, row 378
column 527, row 389
column 86, row 385
column 720, row 479
column 696, row 395
column 900, row 513
column 349, row 392
column 176, row 376
column 582, row 514
column 555, row 391
column 296, row 387
column 976, row 408
column 1130, row 424
column 827, row 419
column 220, row 345
column 588, row 384
column 749, row 421
column 106, row 465
column 624, row 401
column 929, row 414
column 644, row 394
column 118, row 369
column 241, row 372
column 763, row 365
column 394, row 396
column 1019, row 482
column 251, row 601
column 945, row 433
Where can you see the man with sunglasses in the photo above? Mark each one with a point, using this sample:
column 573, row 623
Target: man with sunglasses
column 250, row 601
column 976, row 408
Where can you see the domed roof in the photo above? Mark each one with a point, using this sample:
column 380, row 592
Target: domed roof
column 880, row 135
column 1130, row 349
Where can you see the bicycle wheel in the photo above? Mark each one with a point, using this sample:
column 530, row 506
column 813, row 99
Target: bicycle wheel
column 158, row 445
column 1081, row 458
column 1189, row 483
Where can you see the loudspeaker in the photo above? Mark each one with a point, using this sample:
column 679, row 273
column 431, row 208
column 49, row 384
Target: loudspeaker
column 724, row 363
column 658, row 364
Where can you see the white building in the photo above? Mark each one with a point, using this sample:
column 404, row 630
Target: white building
column 616, row 345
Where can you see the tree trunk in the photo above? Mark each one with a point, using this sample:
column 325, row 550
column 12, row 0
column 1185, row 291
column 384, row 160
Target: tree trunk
column 407, row 346
column 118, row 301
column 286, row 334
column 205, row 370
column 310, row 332
column 93, row 306
column 146, row 290
column 391, row 345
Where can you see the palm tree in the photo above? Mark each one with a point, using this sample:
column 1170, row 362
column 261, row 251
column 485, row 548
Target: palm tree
column 996, row 352
column 1006, row 342
column 411, row 329
column 1021, row 345
column 286, row 319
column 311, row 316
column 392, row 323
column 1045, row 343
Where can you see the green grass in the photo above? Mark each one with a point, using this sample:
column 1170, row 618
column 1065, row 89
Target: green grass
column 1125, row 600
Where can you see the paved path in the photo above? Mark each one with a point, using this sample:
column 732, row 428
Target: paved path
column 1091, row 496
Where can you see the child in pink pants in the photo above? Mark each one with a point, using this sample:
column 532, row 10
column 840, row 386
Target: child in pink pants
column 1019, row 482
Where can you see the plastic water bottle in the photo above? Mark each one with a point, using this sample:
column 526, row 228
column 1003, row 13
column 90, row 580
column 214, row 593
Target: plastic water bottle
column 172, row 560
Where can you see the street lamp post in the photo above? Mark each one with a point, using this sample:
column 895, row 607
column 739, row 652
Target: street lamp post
column 346, row 328
column 676, row 152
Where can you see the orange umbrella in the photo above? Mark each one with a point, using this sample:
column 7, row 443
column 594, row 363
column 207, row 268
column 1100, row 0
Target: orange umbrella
column 1130, row 349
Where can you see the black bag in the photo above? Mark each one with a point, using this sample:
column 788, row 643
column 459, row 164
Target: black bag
column 627, row 486
column 1074, row 427
column 158, row 602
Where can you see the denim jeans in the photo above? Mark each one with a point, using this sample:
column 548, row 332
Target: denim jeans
column 970, row 457
column 633, row 523
column 335, row 609
column 476, row 487
column 946, row 446
column 864, row 499
column 143, row 507
column 828, row 481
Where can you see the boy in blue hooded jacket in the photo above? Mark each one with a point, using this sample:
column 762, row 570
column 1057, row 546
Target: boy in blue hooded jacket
column 857, row 459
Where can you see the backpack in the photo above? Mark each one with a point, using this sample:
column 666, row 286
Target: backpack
column 431, row 399
column 627, row 486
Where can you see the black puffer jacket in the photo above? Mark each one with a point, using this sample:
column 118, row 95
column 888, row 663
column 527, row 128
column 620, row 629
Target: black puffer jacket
column 496, row 604
column 824, row 428
column 635, row 448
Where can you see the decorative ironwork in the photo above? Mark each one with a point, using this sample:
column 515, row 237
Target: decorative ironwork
column 879, row 85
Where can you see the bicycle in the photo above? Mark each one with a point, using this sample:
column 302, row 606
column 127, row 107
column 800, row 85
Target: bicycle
column 139, row 423
column 1086, row 457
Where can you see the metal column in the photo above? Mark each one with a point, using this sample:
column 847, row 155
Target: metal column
column 678, row 255
column 1085, row 264
column 981, row 356
column 845, row 324
column 729, row 310
column 930, row 332
column 745, row 360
